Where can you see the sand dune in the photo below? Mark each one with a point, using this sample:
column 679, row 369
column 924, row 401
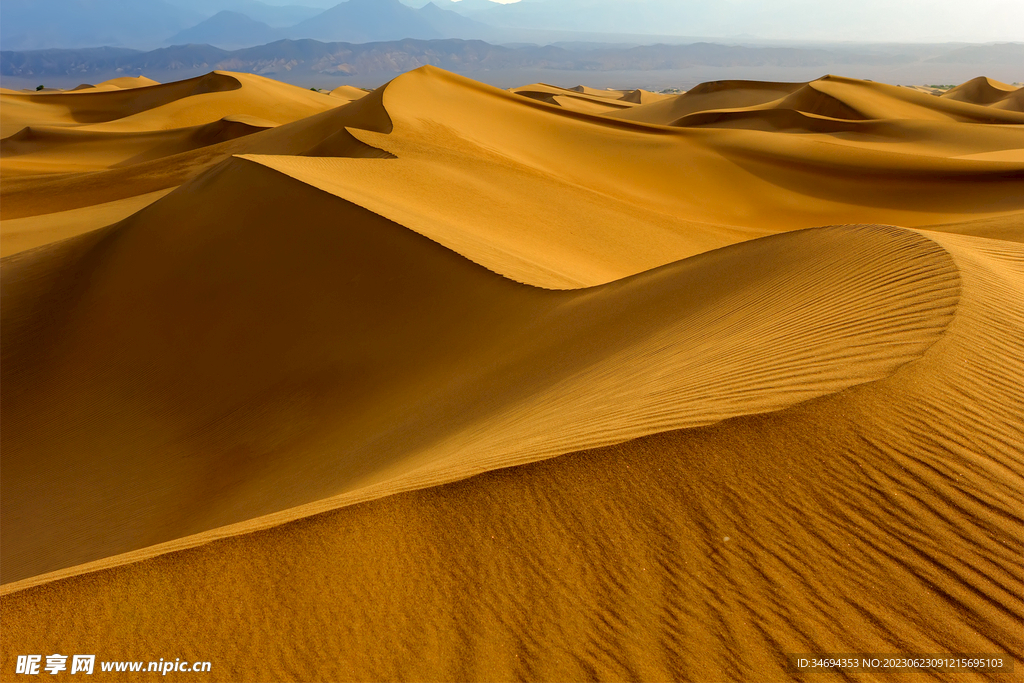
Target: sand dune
column 63, row 149
column 446, row 382
column 588, row 100
column 980, row 90
column 650, row 209
column 144, row 140
column 573, row 100
column 160, row 107
column 348, row 92
column 122, row 83
column 830, row 97
column 21, row 234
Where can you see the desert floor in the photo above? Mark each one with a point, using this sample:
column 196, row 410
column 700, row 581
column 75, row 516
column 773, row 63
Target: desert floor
column 446, row 382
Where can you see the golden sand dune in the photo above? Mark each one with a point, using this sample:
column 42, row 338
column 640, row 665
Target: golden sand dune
column 588, row 100
column 64, row 149
column 624, row 211
column 146, row 141
column 572, row 100
column 981, row 90
column 832, row 97
column 447, row 382
column 160, row 107
column 636, row 96
column 348, row 92
column 122, row 83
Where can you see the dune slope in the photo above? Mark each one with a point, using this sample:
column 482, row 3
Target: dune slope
column 422, row 365
column 845, row 523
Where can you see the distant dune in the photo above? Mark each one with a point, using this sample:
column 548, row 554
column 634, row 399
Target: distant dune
column 448, row 382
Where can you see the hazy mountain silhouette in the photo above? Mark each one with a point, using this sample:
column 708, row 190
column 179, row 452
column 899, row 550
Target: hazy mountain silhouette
column 228, row 30
column 45, row 24
column 38, row 24
column 276, row 16
column 453, row 25
column 466, row 7
column 361, row 21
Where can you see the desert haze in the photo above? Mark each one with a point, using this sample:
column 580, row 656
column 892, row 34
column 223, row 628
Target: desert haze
column 440, row 381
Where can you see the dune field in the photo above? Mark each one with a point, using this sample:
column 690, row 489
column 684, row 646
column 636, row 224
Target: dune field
column 447, row 382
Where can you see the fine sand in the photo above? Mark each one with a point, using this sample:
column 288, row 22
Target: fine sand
column 446, row 382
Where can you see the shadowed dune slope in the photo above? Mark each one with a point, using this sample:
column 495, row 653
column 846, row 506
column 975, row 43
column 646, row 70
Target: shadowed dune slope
column 409, row 364
column 22, row 234
column 883, row 518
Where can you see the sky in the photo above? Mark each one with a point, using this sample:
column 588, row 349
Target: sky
column 859, row 20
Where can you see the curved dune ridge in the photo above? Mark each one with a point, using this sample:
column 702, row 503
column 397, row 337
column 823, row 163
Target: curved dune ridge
column 446, row 382
column 587, row 100
column 836, row 98
column 983, row 91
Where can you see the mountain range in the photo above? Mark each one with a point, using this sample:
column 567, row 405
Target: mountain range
column 313, row 61
column 44, row 24
column 229, row 24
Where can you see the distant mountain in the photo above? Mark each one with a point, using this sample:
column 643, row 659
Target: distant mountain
column 452, row 25
column 37, row 24
column 361, row 21
column 984, row 54
column 228, row 30
column 276, row 16
column 353, row 21
column 466, row 7
column 144, row 24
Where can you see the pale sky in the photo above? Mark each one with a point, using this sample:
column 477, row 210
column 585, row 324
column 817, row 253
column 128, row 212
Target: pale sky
column 862, row 20
column 825, row 20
